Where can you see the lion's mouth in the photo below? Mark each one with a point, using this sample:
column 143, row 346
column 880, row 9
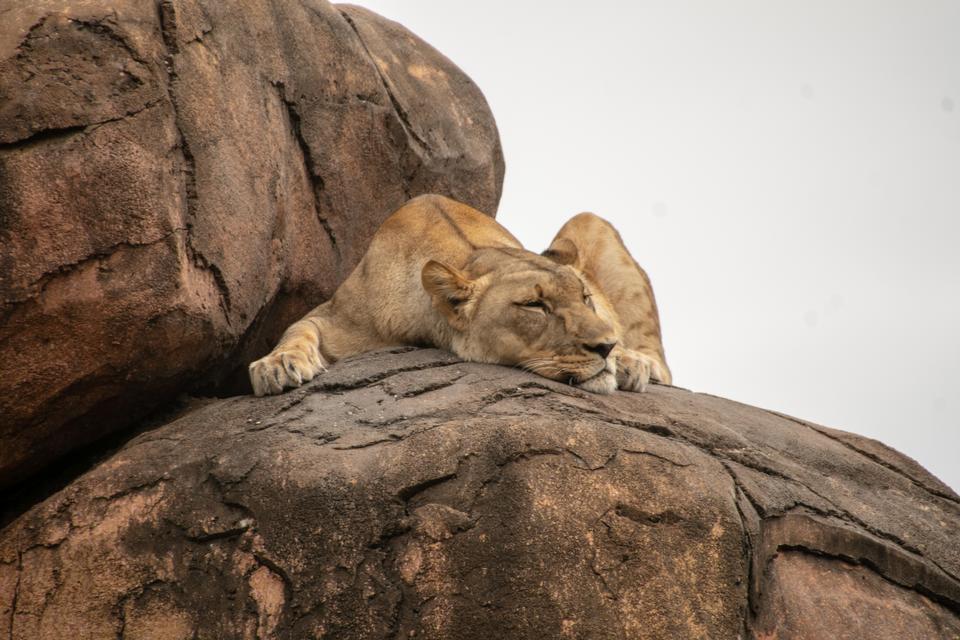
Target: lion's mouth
column 572, row 373
column 608, row 367
column 603, row 382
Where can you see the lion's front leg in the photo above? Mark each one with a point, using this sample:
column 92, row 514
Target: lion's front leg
column 297, row 359
column 636, row 369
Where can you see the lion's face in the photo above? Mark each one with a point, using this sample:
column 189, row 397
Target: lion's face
column 510, row 306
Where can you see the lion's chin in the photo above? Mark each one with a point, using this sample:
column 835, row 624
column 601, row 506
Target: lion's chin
column 604, row 382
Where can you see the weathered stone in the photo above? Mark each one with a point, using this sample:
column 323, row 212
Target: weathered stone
column 812, row 597
column 181, row 179
column 405, row 494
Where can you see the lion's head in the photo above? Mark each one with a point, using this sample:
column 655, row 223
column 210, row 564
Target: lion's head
column 511, row 306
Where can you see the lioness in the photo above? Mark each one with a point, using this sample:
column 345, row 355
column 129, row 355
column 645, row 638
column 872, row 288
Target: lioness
column 442, row 274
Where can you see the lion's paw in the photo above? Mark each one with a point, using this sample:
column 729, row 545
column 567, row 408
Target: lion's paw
column 287, row 368
column 636, row 369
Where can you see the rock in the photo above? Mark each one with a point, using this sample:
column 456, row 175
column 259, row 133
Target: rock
column 179, row 180
column 404, row 494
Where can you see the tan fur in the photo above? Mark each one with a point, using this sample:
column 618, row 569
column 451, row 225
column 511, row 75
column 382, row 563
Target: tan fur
column 439, row 273
column 599, row 253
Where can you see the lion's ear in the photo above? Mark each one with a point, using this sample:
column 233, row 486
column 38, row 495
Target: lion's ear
column 450, row 290
column 563, row 251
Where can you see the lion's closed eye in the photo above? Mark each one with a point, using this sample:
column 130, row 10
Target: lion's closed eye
column 533, row 305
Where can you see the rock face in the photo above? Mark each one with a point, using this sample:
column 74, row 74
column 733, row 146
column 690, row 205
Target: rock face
column 404, row 494
column 181, row 179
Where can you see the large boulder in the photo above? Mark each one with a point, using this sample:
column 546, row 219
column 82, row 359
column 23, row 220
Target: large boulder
column 181, row 179
column 404, row 494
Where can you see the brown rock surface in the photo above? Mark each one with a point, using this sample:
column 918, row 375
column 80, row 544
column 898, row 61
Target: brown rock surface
column 181, row 179
column 404, row 494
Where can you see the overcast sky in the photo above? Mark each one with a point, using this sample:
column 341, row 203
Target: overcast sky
column 788, row 173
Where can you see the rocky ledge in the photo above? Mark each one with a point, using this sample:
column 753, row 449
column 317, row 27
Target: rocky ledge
column 406, row 494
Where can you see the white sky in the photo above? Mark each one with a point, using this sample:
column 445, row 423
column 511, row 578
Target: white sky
column 787, row 172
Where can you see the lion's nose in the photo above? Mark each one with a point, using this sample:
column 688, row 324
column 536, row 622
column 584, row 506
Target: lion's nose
column 602, row 349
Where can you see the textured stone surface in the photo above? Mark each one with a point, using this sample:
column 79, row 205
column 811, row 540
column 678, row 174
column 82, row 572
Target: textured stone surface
column 405, row 494
column 181, row 179
column 812, row 597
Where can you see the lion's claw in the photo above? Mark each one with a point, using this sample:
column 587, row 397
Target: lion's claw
column 281, row 369
column 636, row 369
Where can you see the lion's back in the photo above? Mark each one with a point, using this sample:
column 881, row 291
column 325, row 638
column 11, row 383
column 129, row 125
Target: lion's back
column 446, row 223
